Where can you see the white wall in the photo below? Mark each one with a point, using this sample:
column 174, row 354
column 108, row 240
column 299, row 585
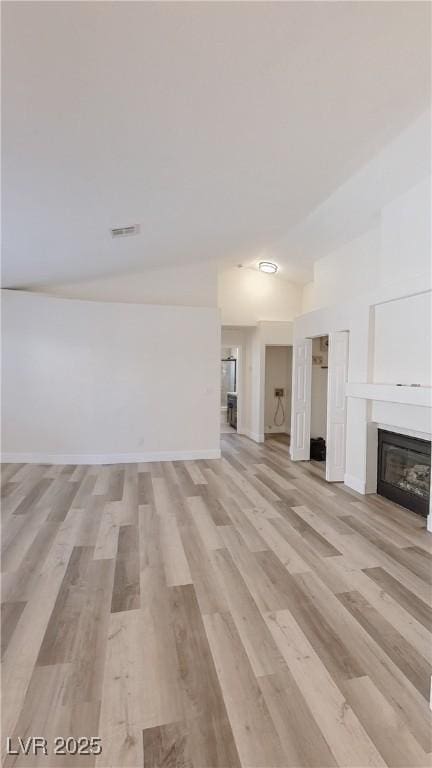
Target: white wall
column 93, row 381
column 394, row 251
column 247, row 296
column 318, row 427
column 193, row 285
column 278, row 373
column 255, row 385
column 356, row 206
column 402, row 348
column 415, row 420
column 350, row 270
column 277, row 333
column 406, row 234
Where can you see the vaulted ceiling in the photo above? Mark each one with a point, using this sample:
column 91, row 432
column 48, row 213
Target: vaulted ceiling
column 217, row 127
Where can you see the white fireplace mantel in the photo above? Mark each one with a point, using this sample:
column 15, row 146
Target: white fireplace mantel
column 391, row 393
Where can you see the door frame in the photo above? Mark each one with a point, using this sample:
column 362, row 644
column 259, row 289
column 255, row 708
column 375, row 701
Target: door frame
column 336, row 416
column 301, row 399
column 239, row 386
column 263, row 387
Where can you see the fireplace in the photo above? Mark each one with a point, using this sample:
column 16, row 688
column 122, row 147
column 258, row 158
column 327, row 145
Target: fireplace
column 404, row 470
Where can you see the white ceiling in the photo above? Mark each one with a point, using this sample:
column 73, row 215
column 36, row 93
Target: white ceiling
column 218, row 127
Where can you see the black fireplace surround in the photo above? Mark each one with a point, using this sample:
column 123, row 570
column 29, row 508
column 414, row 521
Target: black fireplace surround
column 404, row 468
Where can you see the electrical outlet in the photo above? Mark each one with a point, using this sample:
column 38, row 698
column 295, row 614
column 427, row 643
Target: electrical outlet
column 279, row 392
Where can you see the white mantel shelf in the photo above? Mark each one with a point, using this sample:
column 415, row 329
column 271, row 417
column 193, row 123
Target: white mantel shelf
column 390, row 393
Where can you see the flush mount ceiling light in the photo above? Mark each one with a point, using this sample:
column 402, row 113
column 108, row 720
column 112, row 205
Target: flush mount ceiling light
column 267, row 266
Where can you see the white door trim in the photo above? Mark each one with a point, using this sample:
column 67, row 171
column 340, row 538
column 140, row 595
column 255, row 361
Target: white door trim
column 301, row 400
column 337, row 406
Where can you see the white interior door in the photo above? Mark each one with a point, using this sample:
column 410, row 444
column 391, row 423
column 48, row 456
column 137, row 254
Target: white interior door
column 301, row 400
column 336, row 405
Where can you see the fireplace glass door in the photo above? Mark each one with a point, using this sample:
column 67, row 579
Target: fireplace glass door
column 404, row 470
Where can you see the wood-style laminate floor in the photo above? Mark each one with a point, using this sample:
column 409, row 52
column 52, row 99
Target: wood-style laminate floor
column 205, row 614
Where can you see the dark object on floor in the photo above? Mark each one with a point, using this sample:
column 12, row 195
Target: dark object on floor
column 317, row 449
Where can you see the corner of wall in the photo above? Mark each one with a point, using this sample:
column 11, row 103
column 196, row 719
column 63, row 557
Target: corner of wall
column 308, row 298
column 356, row 483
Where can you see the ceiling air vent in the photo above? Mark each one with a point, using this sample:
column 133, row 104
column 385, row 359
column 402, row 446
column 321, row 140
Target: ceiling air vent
column 125, row 231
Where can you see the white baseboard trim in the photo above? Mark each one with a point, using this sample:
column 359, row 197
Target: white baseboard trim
column 109, row 458
column 355, row 483
column 298, row 455
column 371, row 487
column 255, row 436
column 429, row 527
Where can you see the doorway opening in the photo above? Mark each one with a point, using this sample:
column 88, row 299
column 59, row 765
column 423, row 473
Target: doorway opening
column 326, row 404
column 319, row 389
column 229, row 389
column 277, row 397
